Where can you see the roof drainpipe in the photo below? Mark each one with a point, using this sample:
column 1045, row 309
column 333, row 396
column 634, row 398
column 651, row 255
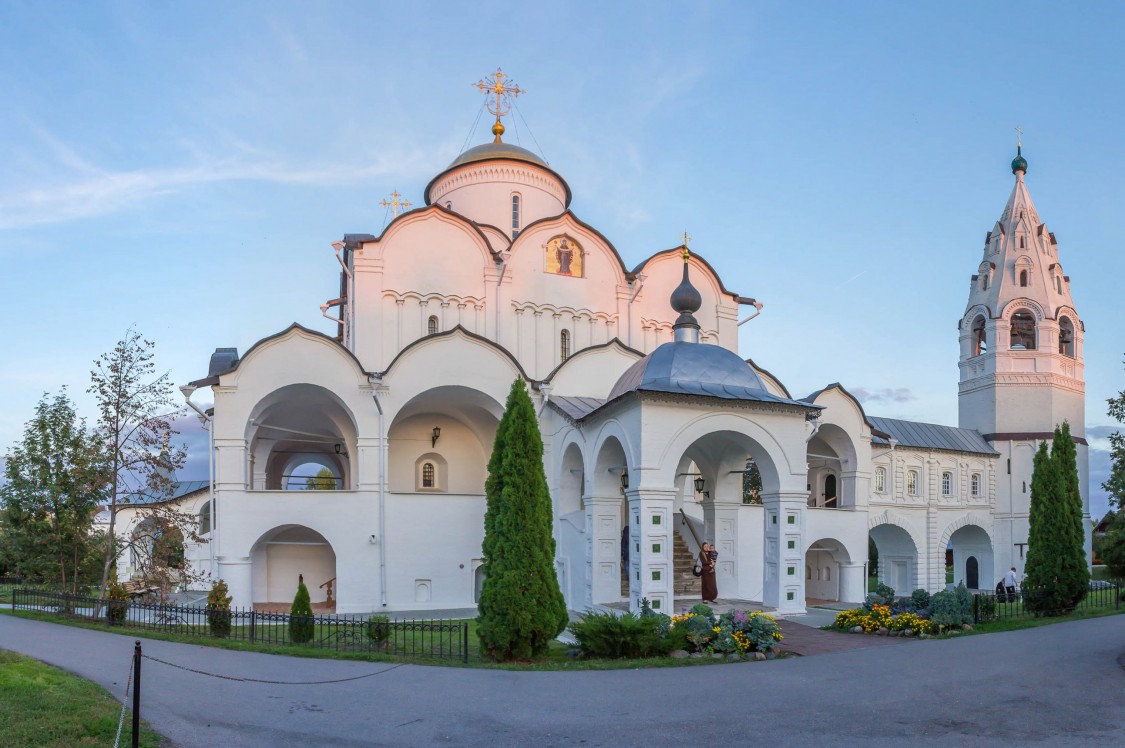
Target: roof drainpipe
column 382, row 504
column 208, row 422
column 500, row 279
column 758, row 307
column 640, row 280
column 328, row 305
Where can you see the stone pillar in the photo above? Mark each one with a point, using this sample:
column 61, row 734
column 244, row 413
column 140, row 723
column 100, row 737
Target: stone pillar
column 235, row 571
column 852, row 589
column 784, row 587
column 650, row 559
column 603, row 551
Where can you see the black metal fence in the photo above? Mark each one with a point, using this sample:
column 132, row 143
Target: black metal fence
column 992, row 606
column 421, row 638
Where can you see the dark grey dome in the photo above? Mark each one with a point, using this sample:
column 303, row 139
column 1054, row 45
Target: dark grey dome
column 490, row 151
column 694, row 369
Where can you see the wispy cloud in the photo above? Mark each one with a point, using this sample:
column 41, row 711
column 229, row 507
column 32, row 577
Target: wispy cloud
column 884, row 395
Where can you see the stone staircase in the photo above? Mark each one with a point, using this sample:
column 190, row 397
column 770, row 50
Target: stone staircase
column 684, row 583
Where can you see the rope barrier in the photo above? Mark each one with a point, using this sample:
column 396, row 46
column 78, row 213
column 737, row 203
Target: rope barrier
column 272, row 682
column 124, row 701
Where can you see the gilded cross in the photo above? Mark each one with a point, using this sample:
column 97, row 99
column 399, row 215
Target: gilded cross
column 395, row 204
column 685, row 239
column 1019, row 136
column 501, row 90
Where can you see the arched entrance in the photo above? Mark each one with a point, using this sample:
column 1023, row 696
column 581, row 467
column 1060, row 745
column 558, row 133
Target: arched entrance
column 898, row 558
column 824, row 565
column 610, row 547
column 972, row 557
column 832, row 463
column 284, row 554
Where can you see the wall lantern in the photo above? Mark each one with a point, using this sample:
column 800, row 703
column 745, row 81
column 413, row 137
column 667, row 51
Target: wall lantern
column 337, row 449
column 434, row 435
column 624, row 478
column 700, row 484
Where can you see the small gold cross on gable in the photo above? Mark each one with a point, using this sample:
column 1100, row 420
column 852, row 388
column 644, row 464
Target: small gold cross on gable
column 395, row 204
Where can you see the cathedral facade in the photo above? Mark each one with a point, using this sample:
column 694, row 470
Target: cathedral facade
column 651, row 420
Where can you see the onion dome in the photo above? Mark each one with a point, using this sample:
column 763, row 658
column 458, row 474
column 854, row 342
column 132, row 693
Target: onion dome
column 686, row 301
column 694, row 369
column 495, row 150
column 1019, row 163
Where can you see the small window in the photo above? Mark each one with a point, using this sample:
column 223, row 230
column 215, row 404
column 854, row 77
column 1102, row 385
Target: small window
column 827, row 573
column 974, row 484
column 564, row 345
column 880, row 480
column 912, row 482
column 205, row 519
column 1058, row 283
column 1023, row 279
column 947, row 484
column 428, row 475
column 515, row 216
column 449, row 205
column 432, row 326
column 1021, row 238
column 984, row 282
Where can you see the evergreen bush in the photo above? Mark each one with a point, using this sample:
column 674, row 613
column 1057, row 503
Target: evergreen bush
column 1057, row 577
column 218, row 609
column 117, row 605
column 628, row 635
column 945, row 609
column 521, row 606
column 920, row 598
column 965, row 601
column 378, row 629
column 301, row 622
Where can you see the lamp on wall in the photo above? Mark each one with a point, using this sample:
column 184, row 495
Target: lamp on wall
column 624, row 478
column 338, row 448
column 700, row 484
column 434, row 435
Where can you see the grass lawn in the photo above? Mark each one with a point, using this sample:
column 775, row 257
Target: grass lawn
column 45, row 706
column 556, row 658
column 1029, row 621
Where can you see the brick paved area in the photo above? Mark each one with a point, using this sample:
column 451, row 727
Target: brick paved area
column 806, row 640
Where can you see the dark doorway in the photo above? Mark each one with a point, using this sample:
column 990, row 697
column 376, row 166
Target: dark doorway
column 830, row 491
column 972, row 578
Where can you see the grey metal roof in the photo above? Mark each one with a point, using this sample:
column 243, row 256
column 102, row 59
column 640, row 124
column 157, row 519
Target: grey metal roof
column 179, row 490
column 576, row 408
column 930, row 436
column 696, row 369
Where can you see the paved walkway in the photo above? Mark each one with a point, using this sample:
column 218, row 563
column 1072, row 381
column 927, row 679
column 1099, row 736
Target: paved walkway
column 807, row 640
column 1060, row 685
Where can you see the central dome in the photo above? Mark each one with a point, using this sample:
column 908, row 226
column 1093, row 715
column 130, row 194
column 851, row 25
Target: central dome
column 489, row 151
column 694, row 369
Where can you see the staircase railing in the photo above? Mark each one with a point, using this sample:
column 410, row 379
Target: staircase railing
column 328, row 584
column 684, row 521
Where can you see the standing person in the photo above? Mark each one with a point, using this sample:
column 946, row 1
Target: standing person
column 707, row 557
column 1010, row 583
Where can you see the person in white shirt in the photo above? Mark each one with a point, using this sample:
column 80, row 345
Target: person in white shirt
column 1010, row 581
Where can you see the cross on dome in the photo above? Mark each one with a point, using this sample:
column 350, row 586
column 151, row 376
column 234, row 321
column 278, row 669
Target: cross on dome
column 501, row 90
column 395, row 204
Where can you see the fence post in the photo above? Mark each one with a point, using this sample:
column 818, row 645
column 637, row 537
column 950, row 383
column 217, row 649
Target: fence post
column 976, row 608
column 465, row 642
column 137, row 694
column 252, row 622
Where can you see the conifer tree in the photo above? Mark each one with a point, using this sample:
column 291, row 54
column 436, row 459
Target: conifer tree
column 301, row 621
column 1056, row 573
column 521, row 606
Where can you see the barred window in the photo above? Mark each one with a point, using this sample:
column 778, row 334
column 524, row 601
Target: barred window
column 564, row 345
column 947, row 484
column 432, row 326
column 880, row 480
column 912, row 482
column 515, row 216
column 428, row 475
column 974, row 484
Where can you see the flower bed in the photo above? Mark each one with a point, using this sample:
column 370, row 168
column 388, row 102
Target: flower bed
column 917, row 614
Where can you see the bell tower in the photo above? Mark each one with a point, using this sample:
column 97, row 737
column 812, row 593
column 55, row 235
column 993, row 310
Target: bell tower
column 1021, row 361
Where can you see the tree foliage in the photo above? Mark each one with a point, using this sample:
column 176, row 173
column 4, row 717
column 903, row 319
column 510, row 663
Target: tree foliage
column 1057, row 577
column 521, row 606
column 55, row 481
column 324, row 480
column 301, row 622
column 1115, row 484
column 751, row 483
column 135, row 411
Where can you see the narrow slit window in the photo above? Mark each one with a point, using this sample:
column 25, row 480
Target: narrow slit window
column 428, row 475
column 947, row 484
column 1023, row 279
column 432, row 326
column 515, row 216
column 564, row 345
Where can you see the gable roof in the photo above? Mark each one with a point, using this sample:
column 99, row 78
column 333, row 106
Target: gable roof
column 180, row 489
column 930, row 436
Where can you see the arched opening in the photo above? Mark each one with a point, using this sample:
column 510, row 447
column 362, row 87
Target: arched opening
column 432, row 325
column 570, row 510
column 205, row 518
column 1066, row 337
column 824, row 563
column 616, row 543
column 980, row 337
column 449, row 428
column 1023, row 279
column 515, row 215
column 1023, row 331
column 281, row 557
column 296, row 432
column 831, row 457
column 971, row 549
column 897, row 564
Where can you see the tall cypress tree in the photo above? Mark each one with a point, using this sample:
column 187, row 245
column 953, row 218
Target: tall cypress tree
column 1057, row 576
column 521, row 606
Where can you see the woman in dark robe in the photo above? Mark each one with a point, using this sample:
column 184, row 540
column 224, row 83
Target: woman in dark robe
column 707, row 556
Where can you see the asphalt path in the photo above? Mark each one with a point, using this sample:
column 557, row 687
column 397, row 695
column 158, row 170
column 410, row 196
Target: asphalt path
column 1055, row 685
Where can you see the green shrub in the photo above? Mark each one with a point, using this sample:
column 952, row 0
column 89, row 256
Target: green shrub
column 882, row 595
column 965, row 601
column 218, row 609
column 378, row 628
column 986, row 607
column 920, row 599
column 117, row 602
column 627, row 636
column 301, row 622
column 945, row 609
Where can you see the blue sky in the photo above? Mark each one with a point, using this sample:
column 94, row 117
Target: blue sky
column 185, row 168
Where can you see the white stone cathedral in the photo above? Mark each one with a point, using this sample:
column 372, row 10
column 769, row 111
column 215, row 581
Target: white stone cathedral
column 649, row 416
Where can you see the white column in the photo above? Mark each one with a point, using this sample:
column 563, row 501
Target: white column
column 235, row 571
column 784, row 587
column 650, row 559
column 852, row 589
